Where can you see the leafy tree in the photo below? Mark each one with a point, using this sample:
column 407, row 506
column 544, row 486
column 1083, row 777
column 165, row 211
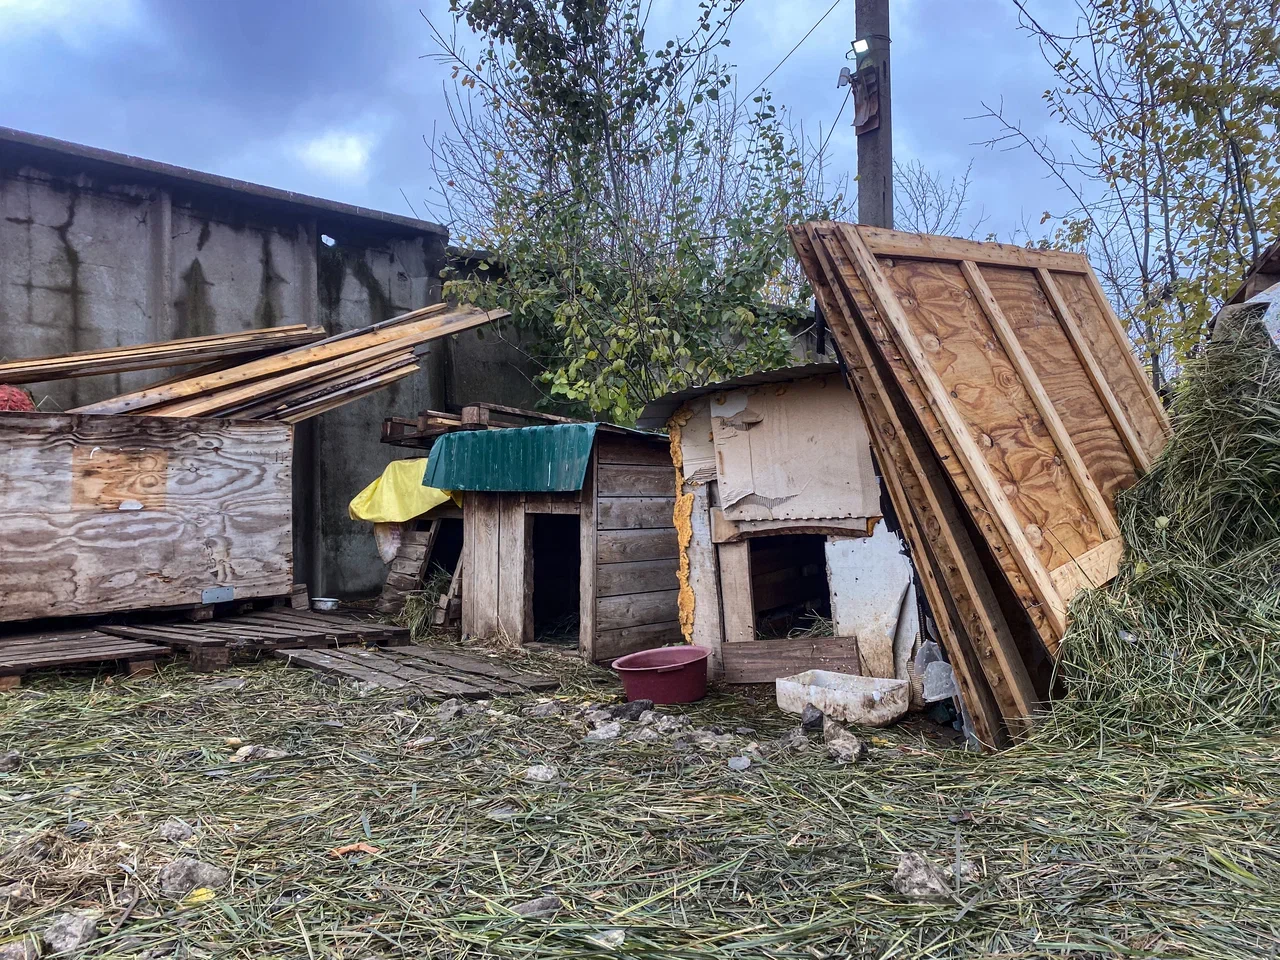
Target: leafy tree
column 1173, row 167
column 633, row 204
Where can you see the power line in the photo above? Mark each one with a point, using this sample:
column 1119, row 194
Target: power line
column 839, row 114
column 794, row 49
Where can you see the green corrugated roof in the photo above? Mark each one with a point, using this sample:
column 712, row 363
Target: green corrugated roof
column 521, row 459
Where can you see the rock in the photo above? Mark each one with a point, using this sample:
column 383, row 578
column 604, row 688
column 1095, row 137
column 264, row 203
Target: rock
column 70, row 931
column 633, row 710
column 540, row 773
column 811, row 719
column 739, row 764
column 186, row 874
column 708, row 739
column 78, row 830
column 744, row 731
column 792, row 742
column 24, row 949
column 10, row 761
column 606, row 731
column 16, row 894
column 841, row 744
column 552, row 709
column 598, row 717
column 664, row 723
column 175, row 830
column 609, row 939
column 644, row 735
column 453, row 707
column 970, row 872
column 917, row 877
column 539, row 907
column 257, row 752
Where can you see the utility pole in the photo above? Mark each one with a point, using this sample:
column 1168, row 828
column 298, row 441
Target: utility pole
column 873, row 117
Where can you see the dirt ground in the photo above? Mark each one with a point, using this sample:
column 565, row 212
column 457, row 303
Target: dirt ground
column 386, row 831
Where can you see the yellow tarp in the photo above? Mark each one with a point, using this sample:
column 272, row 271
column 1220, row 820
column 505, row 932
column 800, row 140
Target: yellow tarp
column 398, row 495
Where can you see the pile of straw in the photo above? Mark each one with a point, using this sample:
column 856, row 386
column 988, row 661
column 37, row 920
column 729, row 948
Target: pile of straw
column 1188, row 636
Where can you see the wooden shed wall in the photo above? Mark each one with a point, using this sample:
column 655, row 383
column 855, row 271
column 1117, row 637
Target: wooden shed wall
column 635, row 590
column 102, row 513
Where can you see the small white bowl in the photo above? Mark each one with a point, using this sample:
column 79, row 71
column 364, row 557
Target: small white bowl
column 324, row 604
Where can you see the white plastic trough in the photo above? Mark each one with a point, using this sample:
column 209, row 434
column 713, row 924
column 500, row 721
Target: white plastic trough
column 868, row 701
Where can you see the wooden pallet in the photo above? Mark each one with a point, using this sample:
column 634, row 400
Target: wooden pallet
column 211, row 643
column 33, row 651
column 408, row 568
column 424, row 669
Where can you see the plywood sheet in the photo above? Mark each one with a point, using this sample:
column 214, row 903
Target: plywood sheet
column 793, row 451
column 103, row 513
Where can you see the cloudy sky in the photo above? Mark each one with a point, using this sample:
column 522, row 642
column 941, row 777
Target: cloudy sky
column 334, row 97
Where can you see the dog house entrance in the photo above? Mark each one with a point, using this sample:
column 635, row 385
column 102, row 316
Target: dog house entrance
column 556, row 578
column 789, row 588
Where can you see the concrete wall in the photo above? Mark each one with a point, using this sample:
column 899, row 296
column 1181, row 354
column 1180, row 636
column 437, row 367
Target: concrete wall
column 92, row 259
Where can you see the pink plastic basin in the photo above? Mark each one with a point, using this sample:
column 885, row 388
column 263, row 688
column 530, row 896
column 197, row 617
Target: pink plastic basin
column 665, row 675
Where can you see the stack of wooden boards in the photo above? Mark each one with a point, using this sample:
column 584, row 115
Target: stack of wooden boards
column 1006, row 412
column 217, row 349
column 304, row 381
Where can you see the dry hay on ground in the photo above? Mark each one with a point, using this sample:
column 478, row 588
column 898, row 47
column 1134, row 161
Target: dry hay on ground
column 655, row 849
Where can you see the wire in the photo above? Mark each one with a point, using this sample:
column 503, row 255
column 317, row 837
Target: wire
column 793, row 49
column 839, row 114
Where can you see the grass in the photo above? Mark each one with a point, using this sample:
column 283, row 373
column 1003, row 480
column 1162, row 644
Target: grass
column 1089, row 850
column 1187, row 637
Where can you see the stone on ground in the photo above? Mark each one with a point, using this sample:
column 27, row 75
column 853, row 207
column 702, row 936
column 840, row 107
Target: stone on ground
column 632, row 710
column 739, row 764
column 539, row 907
column 257, row 752
column 841, row 744
column 175, row 830
column 70, row 931
column 186, row 874
column 919, row 878
column 24, row 949
column 551, row 709
column 606, row 731
column 811, row 719
column 541, row 773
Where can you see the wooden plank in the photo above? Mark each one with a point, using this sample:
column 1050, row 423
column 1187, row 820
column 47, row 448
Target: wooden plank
column 122, row 513
column 557, row 504
column 1095, row 568
column 337, row 398
column 629, row 610
column 588, row 561
column 706, row 630
column 1128, row 380
column 976, row 632
column 424, row 675
column 474, row 667
column 637, row 480
column 638, row 576
column 912, row 490
column 737, row 606
column 1098, row 506
column 515, row 570
column 149, row 356
column 764, row 661
column 169, row 634
column 729, row 531
column 481, row 546
column 619, row 546
column 419, row 326
column 958, row 434
column 628, row 448
column 331, row 662
column 1121, row 338
column 917, row 246
column 1102, row 388
column 615, row 643
column 19, row 654
column 634, row 513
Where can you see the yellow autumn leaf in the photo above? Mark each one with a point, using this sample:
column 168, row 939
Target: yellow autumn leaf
column 197, row 896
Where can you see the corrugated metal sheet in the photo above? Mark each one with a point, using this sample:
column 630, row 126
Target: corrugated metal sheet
column 519, row 460
column 659, row 410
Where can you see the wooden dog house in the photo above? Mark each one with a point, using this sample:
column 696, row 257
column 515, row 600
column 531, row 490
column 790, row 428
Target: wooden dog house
column 563, row 523
column 779, row 525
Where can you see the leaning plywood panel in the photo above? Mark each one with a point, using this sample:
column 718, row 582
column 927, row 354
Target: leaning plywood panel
column 1037, row 467
column 119, row 513
column 793, row 451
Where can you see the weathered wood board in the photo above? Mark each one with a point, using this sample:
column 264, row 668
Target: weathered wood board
column 1007, row 410
column 105, row 513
